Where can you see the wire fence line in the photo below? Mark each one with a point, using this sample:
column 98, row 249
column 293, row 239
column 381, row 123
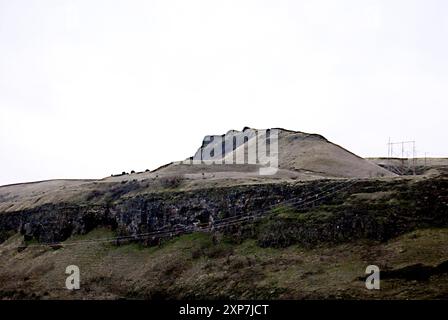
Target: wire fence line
column 305, row 201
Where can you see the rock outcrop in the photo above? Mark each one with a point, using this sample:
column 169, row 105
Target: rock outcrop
column 362, row 209
column 297, row 151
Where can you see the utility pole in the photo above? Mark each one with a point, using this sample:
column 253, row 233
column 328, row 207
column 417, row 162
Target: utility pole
column 414, row 156
column 388, row 149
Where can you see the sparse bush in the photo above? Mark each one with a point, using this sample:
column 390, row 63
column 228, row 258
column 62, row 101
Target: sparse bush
column 119, row 175
column 171, row 182
column 4, row 235
column 95, row 194
column 121, row 189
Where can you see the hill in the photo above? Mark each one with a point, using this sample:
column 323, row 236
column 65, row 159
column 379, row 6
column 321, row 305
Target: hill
column 199, row 229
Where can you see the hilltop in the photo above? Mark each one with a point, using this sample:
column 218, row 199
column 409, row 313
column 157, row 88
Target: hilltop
column 301, row 157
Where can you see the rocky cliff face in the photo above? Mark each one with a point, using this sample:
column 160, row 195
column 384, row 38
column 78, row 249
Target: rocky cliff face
column 311, row 249
column 146, row 213
column 307, row 213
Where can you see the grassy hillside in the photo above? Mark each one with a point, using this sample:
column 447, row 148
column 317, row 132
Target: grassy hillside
column 314, row 252
column 196, row 266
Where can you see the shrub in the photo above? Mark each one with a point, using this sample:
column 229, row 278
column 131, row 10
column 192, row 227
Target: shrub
column 171, row 182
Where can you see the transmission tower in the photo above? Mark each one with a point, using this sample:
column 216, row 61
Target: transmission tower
column 403, row 145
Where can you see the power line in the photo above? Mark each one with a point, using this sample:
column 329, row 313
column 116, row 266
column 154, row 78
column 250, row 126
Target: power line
column 411, row 163
column 221, row 223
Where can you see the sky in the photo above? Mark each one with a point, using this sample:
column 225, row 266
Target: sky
column 89, row 88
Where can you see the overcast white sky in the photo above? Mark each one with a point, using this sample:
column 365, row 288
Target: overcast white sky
column 90, row 88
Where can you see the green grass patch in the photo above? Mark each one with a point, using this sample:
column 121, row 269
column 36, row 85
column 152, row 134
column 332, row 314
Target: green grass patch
column 250, row 247
column 97, row 233
column 189, row 241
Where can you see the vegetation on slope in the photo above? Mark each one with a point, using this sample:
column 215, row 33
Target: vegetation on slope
column 320, row 252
